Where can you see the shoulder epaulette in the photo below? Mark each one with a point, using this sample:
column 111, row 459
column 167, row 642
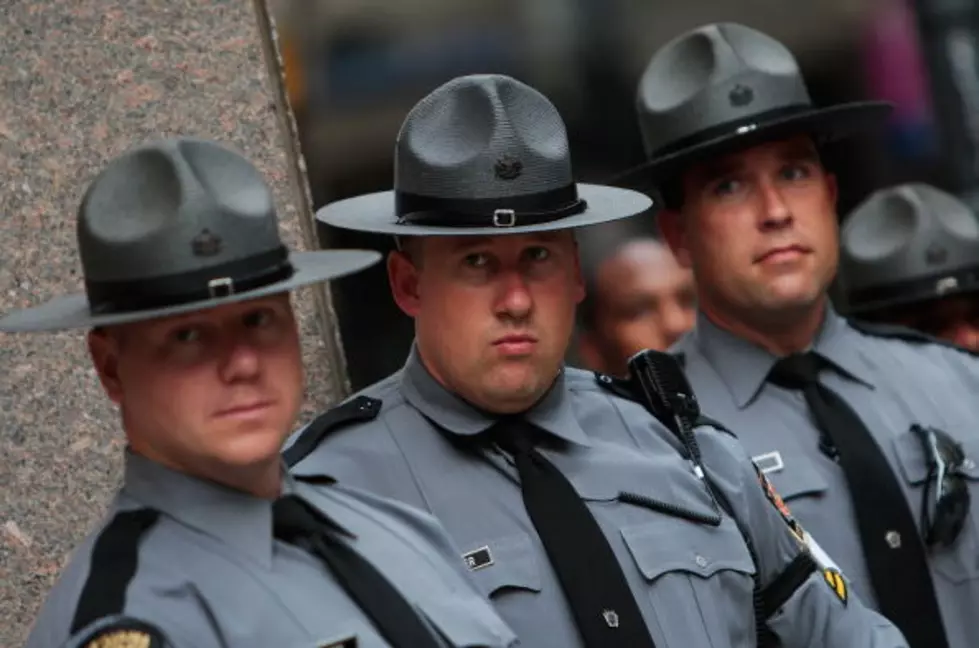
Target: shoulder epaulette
column 355, row 410
column 115, row 556
column 905, row 334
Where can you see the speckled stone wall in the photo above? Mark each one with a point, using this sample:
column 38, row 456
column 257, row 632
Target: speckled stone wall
column 81, row 81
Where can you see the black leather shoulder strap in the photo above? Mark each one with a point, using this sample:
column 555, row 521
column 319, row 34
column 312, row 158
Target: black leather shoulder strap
column 355, row 410
column 115, row 556
column 905, row 334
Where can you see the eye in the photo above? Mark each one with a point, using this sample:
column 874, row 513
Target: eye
column 727, row 187
column 796, row 172
column 258, row 318
column 538, row 253
column 187, row 335
column 476, row 260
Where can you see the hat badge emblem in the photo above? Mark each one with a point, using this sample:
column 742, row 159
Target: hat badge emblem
column 508, row 168
column 936, row 255
column 741, row 95
column 206, row 244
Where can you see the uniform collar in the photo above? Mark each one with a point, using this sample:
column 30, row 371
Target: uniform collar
column 743, row 365
column 553, row 413
column 239, row 520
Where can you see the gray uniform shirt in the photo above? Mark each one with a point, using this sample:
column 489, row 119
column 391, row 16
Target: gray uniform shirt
column 209, row 573
column 693, row 582
column 891, row 384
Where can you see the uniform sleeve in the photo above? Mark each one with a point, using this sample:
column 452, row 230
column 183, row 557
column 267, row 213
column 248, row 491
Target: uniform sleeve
column 810, row 604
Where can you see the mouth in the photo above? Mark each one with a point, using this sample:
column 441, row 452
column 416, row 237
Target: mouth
column 247, row 410
column 783, row 253
column 515, row 344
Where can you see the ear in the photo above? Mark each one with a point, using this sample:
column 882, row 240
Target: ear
column 104, row 350
column 578, row 289
column 673, row 227
column 833, row 187
column 403, row 278
column 589, row 352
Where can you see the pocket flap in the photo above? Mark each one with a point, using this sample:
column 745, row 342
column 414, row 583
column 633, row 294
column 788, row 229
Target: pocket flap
column 507, row 561
column 914, row 463
column 697, row 549
column 791, row 473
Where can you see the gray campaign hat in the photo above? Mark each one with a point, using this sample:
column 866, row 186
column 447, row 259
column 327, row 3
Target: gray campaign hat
column 483, row 154
column 725, row 86
column 908, row 244
column 175, row 226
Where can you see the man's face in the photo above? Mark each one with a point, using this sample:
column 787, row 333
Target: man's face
column 643, row 299
column 210, row 391
column 493, row 315
column 954, row 318
column 759, row 229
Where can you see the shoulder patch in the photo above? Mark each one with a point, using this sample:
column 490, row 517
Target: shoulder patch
column 904, row 334
column 780, row 505
column 114, row 559
column 125, row 633
column 355, row 410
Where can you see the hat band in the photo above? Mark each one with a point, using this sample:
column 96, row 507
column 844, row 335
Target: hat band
column 934, row 286
column 741, row 126
column 234, row 277
column 513, row 211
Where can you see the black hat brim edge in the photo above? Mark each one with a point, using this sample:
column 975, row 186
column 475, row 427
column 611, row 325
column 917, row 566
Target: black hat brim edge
column 828, row 124
column 376, row 213
column 72, row 311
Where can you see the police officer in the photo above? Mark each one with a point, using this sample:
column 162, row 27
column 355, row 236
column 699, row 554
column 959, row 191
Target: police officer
column 637, row 296
column 869, row 434
column 926, row 277
column 209, row 542
column 585, row 521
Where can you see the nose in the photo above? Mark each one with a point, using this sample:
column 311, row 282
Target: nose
column 241, row 360
column 775, row 213
column 515, row 300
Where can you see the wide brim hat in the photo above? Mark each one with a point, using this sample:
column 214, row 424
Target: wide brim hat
column 726, row 87
column 177, row 226
column 905, row 245
column 483, row 155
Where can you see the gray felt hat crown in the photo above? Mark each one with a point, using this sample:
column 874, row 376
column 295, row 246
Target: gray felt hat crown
column 724, row 86
column 483, row 154
column 174, row 226
column 907, row 244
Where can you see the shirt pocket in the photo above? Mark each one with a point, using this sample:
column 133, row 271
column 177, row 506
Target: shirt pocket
column 960, row 562
column 797, row 477
column 507, row 564
column 700, row 581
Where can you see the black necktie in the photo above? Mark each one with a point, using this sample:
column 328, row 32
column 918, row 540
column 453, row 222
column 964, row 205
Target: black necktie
column 891, row 543
column 590, row 575
column 298, row 523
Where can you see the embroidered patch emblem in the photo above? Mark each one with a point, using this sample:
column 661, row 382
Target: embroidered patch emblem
column 836, row 583
column 478, row 559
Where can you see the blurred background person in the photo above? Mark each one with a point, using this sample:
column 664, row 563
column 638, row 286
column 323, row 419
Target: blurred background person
column 910, row 256
column 638, row 297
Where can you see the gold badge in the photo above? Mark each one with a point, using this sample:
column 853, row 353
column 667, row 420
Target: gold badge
column 836, row 583
column 121, row 639
column 125, row 633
